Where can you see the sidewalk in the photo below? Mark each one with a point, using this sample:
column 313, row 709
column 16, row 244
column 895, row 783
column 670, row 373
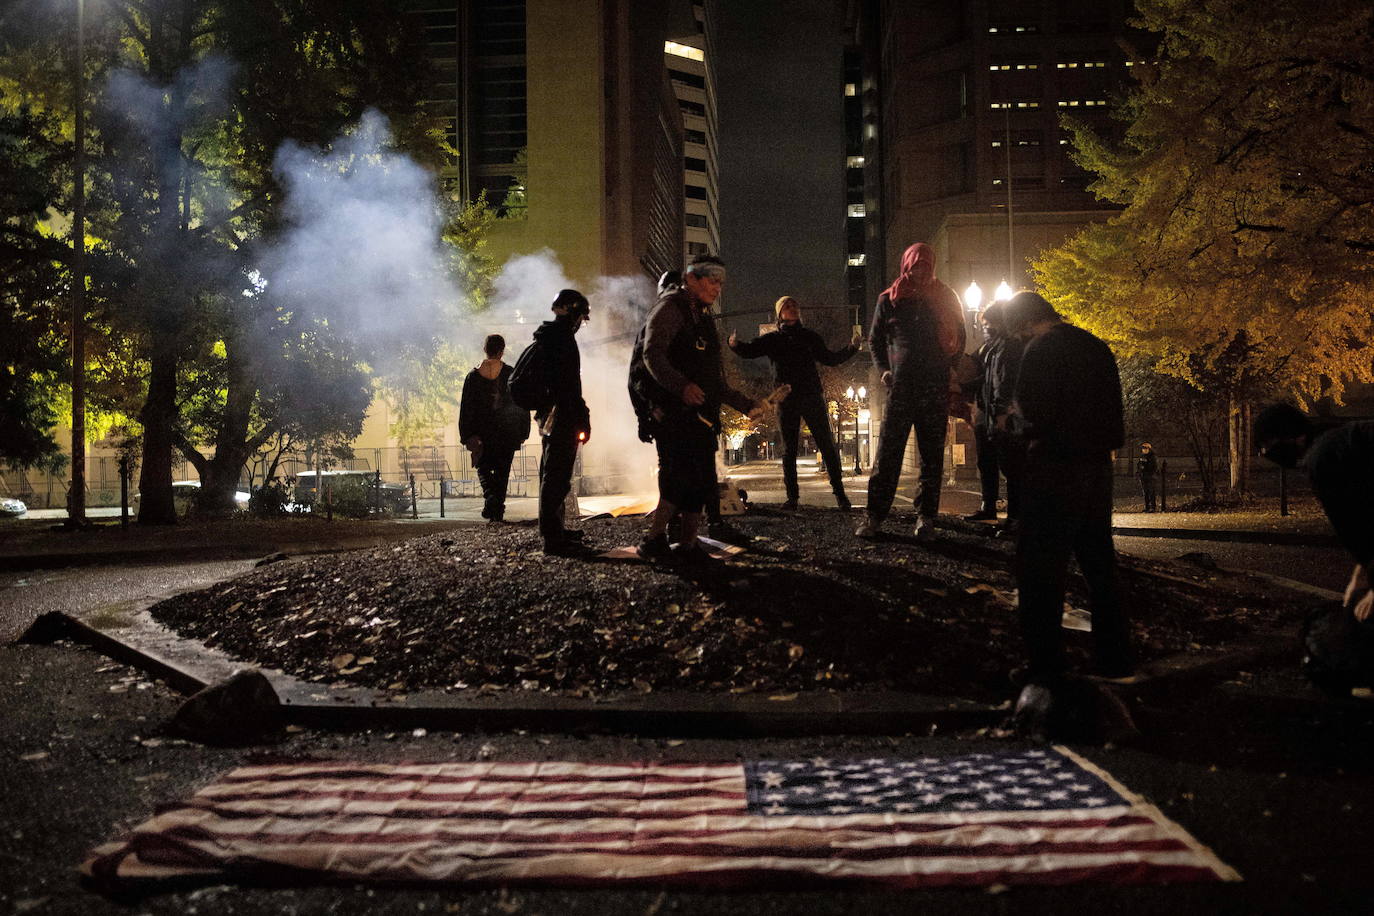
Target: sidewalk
column 31, row 543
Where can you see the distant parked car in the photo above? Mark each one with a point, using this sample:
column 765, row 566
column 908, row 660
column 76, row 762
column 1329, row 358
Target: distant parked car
column 349, row 487
column 184, row 495
column 12, row 508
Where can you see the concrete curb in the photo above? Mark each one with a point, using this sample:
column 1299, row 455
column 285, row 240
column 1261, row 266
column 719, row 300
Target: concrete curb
column 1273, row 538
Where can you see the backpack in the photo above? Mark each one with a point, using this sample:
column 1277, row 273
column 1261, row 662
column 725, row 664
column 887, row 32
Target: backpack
column 529, row 381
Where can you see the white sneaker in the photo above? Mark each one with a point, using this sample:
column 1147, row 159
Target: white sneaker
column 925, row 528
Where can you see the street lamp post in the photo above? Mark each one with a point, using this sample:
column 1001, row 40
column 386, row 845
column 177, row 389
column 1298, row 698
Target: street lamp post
column 76, row 496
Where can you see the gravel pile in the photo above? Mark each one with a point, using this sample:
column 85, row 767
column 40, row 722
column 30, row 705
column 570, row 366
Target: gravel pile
column 806, row 607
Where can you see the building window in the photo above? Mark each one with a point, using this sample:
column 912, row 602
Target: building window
column 698, row 248
column 696, row 81
column 856, row 210
column 1004, row 66
column 1082, row 103
column 697, row 220
column 693, row 164
column 695, row 192
column 694, row 136
column 1005, row 29
column 854, row 162
column 1014, row 105
column 857, row 260
column 687, row 51
column 1081, row 65
column 692, row 108
column 850, row 90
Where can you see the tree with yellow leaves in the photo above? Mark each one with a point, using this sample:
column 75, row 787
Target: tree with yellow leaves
column 1243, row 260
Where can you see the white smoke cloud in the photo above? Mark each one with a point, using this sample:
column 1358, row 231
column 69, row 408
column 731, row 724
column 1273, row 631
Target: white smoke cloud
column 363, row 243
column 614, row 460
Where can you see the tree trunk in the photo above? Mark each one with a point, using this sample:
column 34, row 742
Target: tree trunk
column 156, row 506
column 233, row 447
column 1238, row 435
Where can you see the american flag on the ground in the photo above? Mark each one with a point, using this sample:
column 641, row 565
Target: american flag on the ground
column 1029, row 816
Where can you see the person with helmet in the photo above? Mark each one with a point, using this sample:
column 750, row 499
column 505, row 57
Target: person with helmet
column 794, row 351
column 565, row 422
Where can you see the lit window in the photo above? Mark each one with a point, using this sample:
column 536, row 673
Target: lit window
column 996, row 144
column 687, row 51
column 857, row 260
column 851, row 90
column 854, row 162
column 857, row 210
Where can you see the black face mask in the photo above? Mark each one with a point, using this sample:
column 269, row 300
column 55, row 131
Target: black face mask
column 1283, row 452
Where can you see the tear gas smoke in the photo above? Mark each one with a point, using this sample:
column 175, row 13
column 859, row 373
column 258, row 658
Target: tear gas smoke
column 614, row 460
column 363, row 247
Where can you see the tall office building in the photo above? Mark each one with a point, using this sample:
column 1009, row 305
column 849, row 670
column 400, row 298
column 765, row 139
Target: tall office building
column 562, row 113
column 690, row 72
column 962, row 138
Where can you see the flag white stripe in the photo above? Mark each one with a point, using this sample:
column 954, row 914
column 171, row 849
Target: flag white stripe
column 725, row 784
column 355, row 807
column 487, row 770
column 760, row 831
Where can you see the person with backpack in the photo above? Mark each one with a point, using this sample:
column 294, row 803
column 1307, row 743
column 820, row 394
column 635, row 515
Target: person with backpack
column 677, row 383
column 492, row 426
column 548, row 380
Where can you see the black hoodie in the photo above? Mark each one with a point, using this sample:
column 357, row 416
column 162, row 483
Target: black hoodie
column 794, row 351
column 563, row 365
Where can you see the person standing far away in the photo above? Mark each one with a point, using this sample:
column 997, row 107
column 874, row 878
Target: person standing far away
column 1068, row 399
column 1146, row 467
column 916, row 337
column 566, row 423
column 794, row 351
column 681, row 376
column 492, row 426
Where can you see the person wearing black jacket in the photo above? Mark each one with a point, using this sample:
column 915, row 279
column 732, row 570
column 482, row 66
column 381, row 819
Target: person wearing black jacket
column 1068, row 401
column 999, row 452
column 794, row 351
column 680, row 378
column 916, row 337
column 565, row 423
column 492, row 426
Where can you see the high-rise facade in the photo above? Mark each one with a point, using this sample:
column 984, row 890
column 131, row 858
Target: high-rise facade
column 561, row 112
column 962, row 135
column 691, row 73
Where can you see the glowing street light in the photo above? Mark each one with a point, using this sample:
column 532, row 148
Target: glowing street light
column 973, row 297
column 849, row 392
column 1004, row 292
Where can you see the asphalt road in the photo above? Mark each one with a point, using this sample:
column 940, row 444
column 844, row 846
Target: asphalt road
column 1275, row 780
column 81, row 589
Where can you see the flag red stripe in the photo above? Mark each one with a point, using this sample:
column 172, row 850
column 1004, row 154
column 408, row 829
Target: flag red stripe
column 418, row 794
column 468, row 847
column 637, row 825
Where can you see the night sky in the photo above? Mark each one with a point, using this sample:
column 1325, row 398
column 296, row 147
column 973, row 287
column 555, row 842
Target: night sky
column 780, row 95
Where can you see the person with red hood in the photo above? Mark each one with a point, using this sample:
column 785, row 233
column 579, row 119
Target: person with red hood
column 916, row 337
